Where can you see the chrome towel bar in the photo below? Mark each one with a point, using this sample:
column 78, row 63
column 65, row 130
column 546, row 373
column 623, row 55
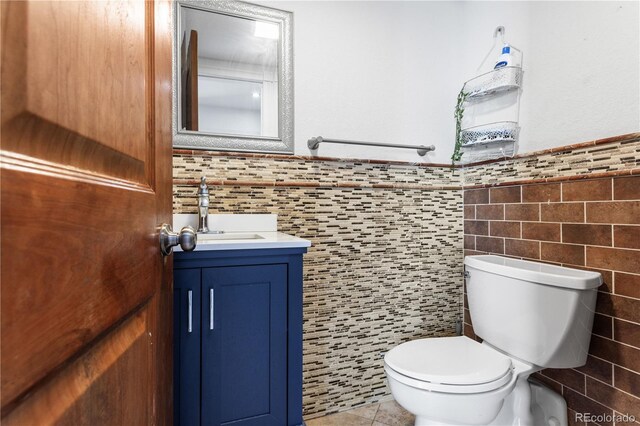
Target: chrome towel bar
column 315, row 142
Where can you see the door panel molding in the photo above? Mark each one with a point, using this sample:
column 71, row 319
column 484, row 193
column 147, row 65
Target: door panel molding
column 18, row 162
column 66, row 290
column 56, row 399
column 38, row 138
column 87, row 69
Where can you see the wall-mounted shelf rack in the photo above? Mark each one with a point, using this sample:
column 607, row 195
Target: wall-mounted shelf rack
column 491, row 133
column 494, row 82
column 490, row 107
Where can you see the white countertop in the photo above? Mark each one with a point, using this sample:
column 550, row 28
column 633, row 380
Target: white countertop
column 240, row 232
column 268, row 240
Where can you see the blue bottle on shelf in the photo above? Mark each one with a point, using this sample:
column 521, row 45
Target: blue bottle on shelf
column 505, row 58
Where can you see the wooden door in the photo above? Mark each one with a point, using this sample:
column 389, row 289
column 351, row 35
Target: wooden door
column 86, row 180
column 244, row 345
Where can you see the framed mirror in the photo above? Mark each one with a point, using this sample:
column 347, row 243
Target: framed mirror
column 232, row 77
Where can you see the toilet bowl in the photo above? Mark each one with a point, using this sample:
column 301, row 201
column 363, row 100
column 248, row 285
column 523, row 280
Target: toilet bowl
column 531, row 316
column 452, row 380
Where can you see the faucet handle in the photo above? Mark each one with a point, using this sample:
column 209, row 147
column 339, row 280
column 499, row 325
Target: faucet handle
column 203, row 189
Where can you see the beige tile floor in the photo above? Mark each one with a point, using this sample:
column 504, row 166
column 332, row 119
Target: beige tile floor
column 387, row 413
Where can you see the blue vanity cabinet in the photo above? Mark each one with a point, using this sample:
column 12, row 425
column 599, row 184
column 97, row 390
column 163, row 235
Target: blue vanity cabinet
column 241, row 361
column 186, row 349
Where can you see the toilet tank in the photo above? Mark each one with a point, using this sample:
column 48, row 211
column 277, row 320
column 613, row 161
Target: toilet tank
column 540, row 313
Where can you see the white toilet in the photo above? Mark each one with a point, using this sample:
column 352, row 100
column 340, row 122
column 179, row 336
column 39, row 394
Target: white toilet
column 530, row 316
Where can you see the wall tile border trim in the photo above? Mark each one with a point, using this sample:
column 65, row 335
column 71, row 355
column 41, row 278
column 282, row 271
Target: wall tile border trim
column 615, row 173
column 629, row 137
column 312, row 184
column 626, row 138
column 304, row 158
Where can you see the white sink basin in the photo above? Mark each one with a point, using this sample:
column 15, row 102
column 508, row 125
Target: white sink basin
column 241, row 232
column 203, row 238
column 247, row 240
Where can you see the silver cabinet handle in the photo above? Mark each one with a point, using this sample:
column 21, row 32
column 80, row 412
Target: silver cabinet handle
column 211, row 309
column 187, row 238
column 190, row 314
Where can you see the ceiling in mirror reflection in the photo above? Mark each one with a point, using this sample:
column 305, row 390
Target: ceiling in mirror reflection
column 228, row 93
column 233, row 39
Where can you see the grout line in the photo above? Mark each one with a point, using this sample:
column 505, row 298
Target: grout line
column 605, row 360
column 613, row 239
column 611, row 386
column 623, row 320
column 598, row 380
column 540, row 250
column 623, row 296
column 521, row 193
column 613, row 375
column 618, row 342
column 570, row 244
column 613, row 328
column 520, row 223
column 623, row 368
column 376, row 413
column 613, row 282
column 599, row 402
column 539, row 211
column 613, row 188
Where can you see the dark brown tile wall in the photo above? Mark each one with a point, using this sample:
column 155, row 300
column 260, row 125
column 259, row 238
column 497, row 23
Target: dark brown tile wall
column 587, row 224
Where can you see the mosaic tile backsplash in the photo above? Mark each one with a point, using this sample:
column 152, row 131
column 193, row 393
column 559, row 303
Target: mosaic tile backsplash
column 584, row 159
column 385, row 265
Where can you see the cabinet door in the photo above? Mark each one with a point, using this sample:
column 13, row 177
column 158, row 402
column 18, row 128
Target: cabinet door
column 186, row 346
column 244, row 345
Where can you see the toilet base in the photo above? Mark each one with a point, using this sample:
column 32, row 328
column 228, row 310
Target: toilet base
column 548, row 407
column 420, row 421
column 529, row 404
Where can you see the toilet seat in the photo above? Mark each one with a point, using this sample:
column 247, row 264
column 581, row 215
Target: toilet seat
column 449, row 364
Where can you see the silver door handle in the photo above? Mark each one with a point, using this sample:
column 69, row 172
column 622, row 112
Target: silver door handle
column 187, row 238
column 190, row 314
column 211, row 309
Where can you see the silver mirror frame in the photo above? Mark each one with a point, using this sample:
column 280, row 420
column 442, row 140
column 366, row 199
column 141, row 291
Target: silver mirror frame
column 283, row 144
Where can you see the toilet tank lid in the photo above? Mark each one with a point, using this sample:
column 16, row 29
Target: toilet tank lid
column 536, row 272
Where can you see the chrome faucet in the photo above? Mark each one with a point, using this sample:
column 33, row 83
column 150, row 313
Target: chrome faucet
column 203, row 206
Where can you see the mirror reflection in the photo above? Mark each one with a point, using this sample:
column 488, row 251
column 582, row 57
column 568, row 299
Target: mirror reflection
column 229, row 74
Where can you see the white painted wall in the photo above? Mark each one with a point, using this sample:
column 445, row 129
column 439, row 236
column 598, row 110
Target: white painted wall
column 581, row 63
column 390, row 71
column 229, row 121
column 375, row 71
